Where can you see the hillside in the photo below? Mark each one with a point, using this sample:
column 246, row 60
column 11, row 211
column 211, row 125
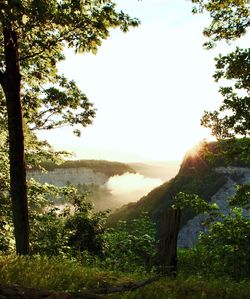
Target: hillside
column 108, row 168
column 208, row 175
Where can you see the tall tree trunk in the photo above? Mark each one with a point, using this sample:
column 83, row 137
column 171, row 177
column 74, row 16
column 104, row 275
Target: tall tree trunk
column 12, row 90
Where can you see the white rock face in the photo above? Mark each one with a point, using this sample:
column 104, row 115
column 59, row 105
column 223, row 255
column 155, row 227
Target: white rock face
column 188, row 235
column 75, row 176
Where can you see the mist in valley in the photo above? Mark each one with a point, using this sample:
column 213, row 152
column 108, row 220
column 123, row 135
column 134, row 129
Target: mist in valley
column 130, row 187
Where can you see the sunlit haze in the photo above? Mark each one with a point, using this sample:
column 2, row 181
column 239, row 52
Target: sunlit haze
column 150, row 86
column 128, row 182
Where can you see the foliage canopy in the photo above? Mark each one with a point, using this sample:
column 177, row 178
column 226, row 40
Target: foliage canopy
column 230, row 19
column 44, row 29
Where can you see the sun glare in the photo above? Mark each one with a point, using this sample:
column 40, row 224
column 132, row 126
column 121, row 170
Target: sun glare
column 193, row 152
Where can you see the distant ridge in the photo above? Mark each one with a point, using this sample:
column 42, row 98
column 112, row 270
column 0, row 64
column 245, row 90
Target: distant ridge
column 109, row 168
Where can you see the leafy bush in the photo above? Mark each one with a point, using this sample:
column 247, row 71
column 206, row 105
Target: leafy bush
column 131, row 245
column 85, row 229
column 70, row 230
column 224, row 249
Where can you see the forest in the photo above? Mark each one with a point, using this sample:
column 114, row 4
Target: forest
column 107, row 167
column 76, row 252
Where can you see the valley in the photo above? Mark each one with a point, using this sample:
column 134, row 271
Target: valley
column 109, row 184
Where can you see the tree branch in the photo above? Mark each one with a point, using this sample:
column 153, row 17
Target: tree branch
column 9, row 292
column 52, row 43
column 128, row 287
column 48, row 127
column 16, row 291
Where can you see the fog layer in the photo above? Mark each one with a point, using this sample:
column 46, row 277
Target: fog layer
column 127, row 188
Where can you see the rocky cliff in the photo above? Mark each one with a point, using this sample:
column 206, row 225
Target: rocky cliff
column 235, row 175
column 212, row 179
column 80, row 172
column 74, row 176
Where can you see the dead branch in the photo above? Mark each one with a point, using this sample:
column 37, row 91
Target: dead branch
column 124, row 288
column 19, row 292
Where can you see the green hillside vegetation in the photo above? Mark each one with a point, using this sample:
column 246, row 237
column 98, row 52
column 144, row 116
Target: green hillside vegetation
column 196, row 176
column 109, row 168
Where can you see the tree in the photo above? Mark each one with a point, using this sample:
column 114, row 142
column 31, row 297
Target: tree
column 33, row 34
column 236, row 98
column 35, row 152
column 53, row 231
column 230, row 21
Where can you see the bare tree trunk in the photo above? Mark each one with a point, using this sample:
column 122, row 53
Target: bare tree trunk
column 167, row 249
column 12, row 87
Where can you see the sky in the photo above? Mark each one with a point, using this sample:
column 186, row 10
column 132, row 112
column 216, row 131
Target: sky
column 150, row 86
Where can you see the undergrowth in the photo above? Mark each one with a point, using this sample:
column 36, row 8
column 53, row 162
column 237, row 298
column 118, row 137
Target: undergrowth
column 55, row 273
column 61, row 274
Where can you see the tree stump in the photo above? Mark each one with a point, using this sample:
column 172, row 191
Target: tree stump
column 167, row 248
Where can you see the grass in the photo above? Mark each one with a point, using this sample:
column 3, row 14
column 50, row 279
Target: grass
column 190, row 288
column 55, row 273
column 62, row 274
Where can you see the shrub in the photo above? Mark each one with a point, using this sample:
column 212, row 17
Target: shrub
column 131, row 245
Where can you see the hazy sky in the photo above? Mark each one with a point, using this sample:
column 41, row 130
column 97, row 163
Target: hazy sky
column 150, row 86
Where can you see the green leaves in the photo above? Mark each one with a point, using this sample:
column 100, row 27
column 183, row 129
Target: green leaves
column 226, row 246
column 131, row 245
column 236, row 98
column 223, row 249
column 52, row 107
column 195, row 202
column 230, row 19
column 235, row 65
column 44, row 28
column 242, row 197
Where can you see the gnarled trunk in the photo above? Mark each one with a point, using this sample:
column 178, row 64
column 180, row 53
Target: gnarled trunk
column 12, row 86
